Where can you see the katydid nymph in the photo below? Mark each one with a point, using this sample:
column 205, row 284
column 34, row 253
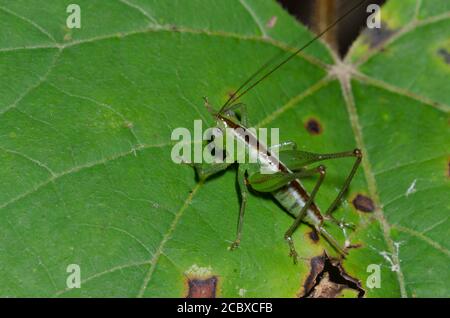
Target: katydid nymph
column 287, row 168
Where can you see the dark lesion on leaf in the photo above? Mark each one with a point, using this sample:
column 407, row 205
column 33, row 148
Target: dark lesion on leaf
column 314, row 236
column 448, row 168
column 363, row 203
column 202, row 288
column 377, row 37
column 313, row 126
column 327, row 279
column 445, row 55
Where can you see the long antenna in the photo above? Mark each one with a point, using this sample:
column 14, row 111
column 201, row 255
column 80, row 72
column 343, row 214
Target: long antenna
column 234, row 98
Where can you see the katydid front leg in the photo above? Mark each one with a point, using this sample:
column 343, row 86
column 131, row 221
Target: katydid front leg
column 206, row 170
column 242, row 182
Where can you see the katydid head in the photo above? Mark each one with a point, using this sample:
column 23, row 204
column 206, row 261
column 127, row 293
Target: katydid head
column 224, row 112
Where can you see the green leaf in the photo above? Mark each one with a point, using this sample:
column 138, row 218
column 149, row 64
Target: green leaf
column 86, row 117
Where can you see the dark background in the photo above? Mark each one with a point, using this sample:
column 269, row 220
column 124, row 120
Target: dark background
column 319, row 14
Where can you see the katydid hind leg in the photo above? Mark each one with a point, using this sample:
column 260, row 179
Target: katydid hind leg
column 285, row 145
column 355, row 153
column 266, row 183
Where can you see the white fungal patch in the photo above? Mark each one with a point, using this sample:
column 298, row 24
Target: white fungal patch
column 393, row 260
column 347, row 242
column 155, row 205
column 412, row 188
column 199, row 272
column 387, row 257
column 242, row 292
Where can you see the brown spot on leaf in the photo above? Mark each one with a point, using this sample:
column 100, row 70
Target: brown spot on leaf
column 202, row 288
column 445, row 55
column 313, row 126
column 328, row 279
column 376, row 37
column 363, row 203
column 448, row 169
column 313, row 235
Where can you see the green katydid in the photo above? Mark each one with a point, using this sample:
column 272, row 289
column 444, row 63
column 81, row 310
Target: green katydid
column 288, row 167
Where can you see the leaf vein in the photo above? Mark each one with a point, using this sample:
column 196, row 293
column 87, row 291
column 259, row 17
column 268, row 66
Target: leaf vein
column 101, row 104
column 41, row 80
column 424, row 238
column 34, row 24
column 345, row 81
column 35, row 161
column 80, row 168
column 166, row 238
column 254, row 17
column 141, row 10
column 401, row 91
column 294, row 101
column 99, row 274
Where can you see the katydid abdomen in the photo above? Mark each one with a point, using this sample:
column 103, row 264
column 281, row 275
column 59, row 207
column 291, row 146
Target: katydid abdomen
column 293, row 198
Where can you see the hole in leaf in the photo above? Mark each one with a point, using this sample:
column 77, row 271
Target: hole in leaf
column 328, row 279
